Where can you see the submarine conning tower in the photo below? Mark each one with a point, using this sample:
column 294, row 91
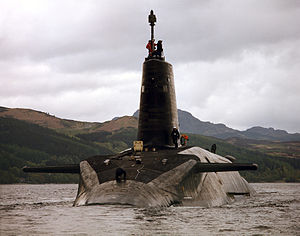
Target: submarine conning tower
column 158, row 110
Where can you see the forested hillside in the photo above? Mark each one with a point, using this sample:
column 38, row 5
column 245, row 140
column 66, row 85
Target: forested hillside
column 23, row 143
column 271, row 168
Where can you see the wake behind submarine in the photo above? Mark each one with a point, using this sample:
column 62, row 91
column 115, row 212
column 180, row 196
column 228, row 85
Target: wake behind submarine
column 154, row 173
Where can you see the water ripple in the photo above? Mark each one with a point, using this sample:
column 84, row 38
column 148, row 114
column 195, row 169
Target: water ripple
column 31, row 210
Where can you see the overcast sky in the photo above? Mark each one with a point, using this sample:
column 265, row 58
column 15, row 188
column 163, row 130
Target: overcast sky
column 235, row 62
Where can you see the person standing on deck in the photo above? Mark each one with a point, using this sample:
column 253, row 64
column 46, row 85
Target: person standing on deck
column 175, row 136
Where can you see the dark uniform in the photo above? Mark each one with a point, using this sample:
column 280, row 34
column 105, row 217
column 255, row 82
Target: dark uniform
column 119, row 173
column 213, row 148
column 159, row 49
column 175, row 136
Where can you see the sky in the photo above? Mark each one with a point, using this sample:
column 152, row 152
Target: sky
column 235, row 62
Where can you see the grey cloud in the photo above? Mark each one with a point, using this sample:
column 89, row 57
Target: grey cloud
column 235, row 62
column 254, row 91
column 225, row 28
column 194, row 31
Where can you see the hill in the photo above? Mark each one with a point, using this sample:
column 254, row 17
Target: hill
column 190, row 124
column 23, row 143
column 272, row 148
column 271, row 168
column 261, row 133
column 30, row 141
column 66, row 126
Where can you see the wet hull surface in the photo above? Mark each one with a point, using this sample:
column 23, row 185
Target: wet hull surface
column 153, row 184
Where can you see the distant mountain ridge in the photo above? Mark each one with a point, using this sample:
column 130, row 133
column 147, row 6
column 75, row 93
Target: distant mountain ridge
column 190, row 124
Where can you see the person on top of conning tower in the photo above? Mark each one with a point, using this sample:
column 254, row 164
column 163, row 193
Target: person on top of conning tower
column 149, row 47
column 159, row 49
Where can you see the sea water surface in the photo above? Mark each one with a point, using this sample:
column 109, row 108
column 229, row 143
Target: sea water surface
column 47, row 209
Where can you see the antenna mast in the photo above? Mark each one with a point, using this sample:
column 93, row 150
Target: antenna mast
column 152, row 20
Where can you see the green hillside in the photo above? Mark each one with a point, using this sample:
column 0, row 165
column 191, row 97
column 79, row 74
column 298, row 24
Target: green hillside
column 271, row 168
column 23, row 143
column 117, row 141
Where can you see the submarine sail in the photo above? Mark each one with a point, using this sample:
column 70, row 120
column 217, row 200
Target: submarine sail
column 158, row 110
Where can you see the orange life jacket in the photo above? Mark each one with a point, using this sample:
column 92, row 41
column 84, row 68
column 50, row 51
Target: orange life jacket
column 149, row 47
column 185, row 136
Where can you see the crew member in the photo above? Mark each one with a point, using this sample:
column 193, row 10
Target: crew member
column 183, row 139
column 159, row 48
column 213, row 148
column 119, row 173
column 175, row 136
column 149, row 47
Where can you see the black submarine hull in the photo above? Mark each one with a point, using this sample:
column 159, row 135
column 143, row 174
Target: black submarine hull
column 187, row 178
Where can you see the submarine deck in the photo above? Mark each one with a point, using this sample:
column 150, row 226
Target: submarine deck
column 150, row 167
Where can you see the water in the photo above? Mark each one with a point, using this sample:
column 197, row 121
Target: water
column 47, row 209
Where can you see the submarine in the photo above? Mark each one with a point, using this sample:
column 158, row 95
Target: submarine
column 156, row 172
